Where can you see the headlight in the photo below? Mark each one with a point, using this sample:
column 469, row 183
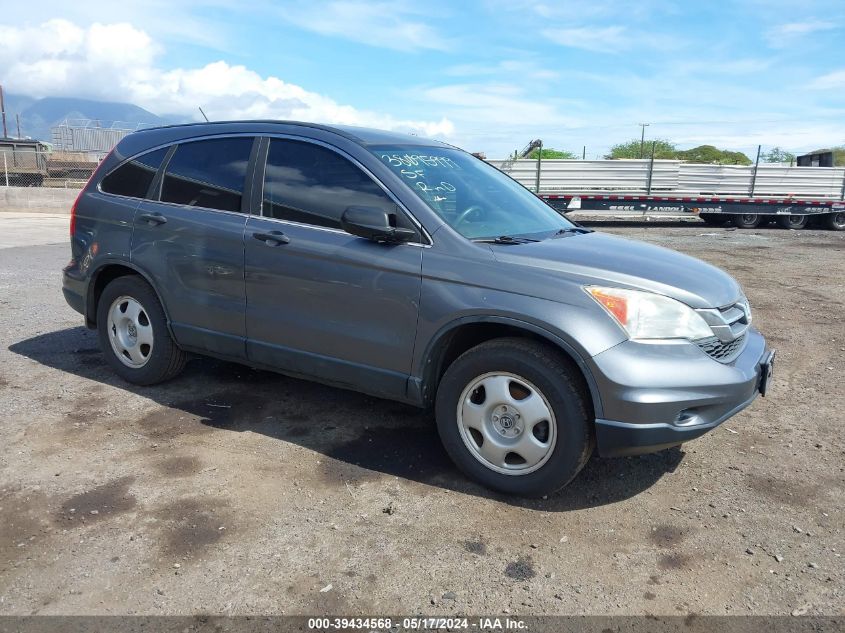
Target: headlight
column 646, row 315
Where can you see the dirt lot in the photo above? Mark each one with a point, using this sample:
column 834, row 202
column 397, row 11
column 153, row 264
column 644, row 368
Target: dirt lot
column 235, row 491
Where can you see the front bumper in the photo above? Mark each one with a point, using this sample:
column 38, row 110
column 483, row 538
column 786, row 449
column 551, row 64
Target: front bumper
column 659, row 395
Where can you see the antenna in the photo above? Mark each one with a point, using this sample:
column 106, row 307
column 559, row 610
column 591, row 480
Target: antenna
column 203, row 115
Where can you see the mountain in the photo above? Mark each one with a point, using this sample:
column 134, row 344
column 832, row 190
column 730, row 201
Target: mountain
column 39, row 115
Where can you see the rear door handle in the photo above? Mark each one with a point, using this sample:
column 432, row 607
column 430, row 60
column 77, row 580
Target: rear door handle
column 273, row 238
column 153, row 218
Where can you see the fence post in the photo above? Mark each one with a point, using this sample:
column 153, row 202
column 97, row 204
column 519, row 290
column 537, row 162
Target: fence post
column 6, row 168
column 539, row 161
column 754, row 173
column 650, row 169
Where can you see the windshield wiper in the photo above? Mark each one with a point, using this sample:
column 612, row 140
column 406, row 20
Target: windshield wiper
column 505, row 239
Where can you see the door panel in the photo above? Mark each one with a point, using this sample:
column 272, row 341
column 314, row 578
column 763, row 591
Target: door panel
column 195, row 254
column 333, row 306
column 195, row 261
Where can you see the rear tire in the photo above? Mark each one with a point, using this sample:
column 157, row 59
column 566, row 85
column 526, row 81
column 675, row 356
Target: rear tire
column 133, row 333
column 513, row 416
column 796, row 222
column 835, row 221
column 746, row 220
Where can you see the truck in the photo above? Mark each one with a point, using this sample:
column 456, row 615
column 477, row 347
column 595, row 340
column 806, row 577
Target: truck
column 32, row 163
column 23, row 162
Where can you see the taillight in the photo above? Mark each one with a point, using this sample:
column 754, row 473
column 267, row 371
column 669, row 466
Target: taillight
column 79, row 197
column 73, row 213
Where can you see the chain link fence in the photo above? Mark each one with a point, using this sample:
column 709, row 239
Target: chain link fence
column 22, row 167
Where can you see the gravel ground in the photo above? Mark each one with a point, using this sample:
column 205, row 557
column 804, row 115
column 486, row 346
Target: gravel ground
column 233, row 491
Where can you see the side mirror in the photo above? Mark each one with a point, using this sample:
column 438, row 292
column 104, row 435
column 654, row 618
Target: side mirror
column 374, row 224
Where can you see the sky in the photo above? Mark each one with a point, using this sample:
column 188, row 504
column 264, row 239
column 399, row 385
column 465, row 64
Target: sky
column 486, row 75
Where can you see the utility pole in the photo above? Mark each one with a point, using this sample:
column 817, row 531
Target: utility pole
column 3, row 112
column 642, row 137
column 18, row 121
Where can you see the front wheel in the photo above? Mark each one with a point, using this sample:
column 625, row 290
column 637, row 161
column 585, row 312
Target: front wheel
column 512, row 415
column 134, row 335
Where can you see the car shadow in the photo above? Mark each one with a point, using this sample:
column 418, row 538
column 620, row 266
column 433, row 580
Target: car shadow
column 363, row 435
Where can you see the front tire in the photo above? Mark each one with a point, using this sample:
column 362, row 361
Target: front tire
column 133, row 333
column 513, row 416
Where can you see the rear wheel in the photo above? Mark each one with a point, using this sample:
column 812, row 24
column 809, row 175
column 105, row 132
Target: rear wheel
column 796, row 222
column 746, row 220
column 134, row 335
column 512, row 416
column 835, row 221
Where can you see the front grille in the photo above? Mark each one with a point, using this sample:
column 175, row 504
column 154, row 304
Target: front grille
column 723, row 352
column 729, row 325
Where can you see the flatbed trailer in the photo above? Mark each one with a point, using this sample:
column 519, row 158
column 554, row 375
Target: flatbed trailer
column 743, row 212
column 744, row 195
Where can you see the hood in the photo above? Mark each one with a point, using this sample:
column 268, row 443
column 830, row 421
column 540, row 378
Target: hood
column 602, row 259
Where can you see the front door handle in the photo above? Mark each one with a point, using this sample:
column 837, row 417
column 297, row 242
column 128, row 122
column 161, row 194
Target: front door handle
column 273, row 238
column 153, row 219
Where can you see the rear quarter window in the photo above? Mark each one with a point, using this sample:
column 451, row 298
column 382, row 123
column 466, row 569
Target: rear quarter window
column 133, row 178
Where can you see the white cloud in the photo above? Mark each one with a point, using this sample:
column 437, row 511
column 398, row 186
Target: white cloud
column 804, row 28
column 705, row 66
column 517, row 69
column 490, row 104
column 117, row 62
column 395, row 25
column 608, row 39
column 184, row 21
column 786, row 34
column 831, row 81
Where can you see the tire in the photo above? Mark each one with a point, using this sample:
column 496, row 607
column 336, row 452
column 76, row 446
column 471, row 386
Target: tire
column 523, row 377
column 712, row 219
column 796, row 222
column 835, row 221
column 746, row 220
column 135, row 339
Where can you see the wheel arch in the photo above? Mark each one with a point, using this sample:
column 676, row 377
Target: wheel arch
column 458, row 336
column 105, row 274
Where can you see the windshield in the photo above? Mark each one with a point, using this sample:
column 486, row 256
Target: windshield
column 474, row 198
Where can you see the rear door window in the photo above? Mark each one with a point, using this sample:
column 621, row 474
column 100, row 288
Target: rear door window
column 208, row 173
column 134, row 178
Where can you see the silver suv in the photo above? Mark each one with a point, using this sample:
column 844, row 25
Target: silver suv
column 411, row 270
